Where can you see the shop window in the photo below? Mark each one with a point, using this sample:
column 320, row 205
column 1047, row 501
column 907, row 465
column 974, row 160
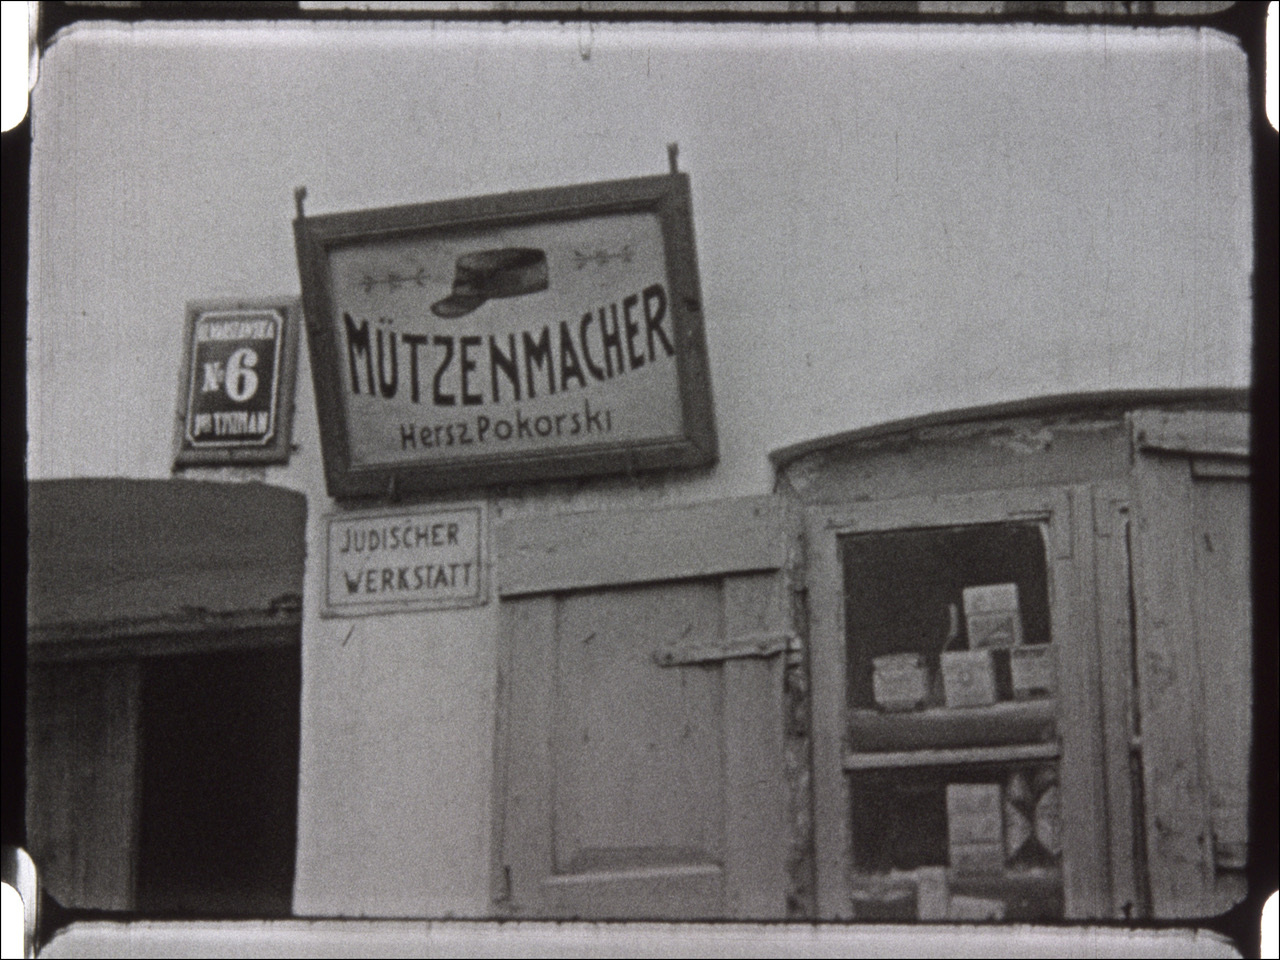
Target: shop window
column 950, row 686
column 954, row 749
column 959, row 841
column 913, row 596
column 1030, row 652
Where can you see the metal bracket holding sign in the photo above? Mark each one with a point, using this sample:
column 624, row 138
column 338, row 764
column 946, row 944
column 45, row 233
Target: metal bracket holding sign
column 391, row 561
column 238, row 371
column 534, row 335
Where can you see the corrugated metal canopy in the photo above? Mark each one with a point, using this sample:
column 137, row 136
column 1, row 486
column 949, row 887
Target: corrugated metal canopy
column 114, row 556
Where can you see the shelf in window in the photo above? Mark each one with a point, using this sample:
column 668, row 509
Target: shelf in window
column 1014, row 722
column 1043, row 882
column 1006, row 753
column 935, row 893
column 992, row 883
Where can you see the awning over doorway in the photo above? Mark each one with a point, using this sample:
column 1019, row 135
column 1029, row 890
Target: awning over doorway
column 118, row 557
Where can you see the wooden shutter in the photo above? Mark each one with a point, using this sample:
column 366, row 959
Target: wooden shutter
column 640, row 735
column 1194, row 630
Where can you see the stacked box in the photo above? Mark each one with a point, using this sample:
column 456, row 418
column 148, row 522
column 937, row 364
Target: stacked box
column 919, row 894
column 1033, row 671
column 884, row 899
column 975, row 827
column 932, row 897
column 975, row 908
column 968, row 678
column 992, row 616
column 899, row 681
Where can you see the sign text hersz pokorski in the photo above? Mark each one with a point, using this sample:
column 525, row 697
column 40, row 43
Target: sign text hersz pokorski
column 518, row 376
column 533, row 335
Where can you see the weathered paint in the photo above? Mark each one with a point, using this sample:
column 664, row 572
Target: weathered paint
column 890, row 221
column 642, row 755
column 1161, row 746
column 1055, row 441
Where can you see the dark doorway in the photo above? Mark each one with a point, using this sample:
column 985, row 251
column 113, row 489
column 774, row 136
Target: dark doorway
column 219, row 778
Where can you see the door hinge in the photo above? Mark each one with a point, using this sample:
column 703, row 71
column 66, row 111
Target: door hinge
column 730, row 648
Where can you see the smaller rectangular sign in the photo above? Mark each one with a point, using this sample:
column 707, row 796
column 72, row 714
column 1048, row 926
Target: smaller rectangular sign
column 237, row 386
column 411, row 559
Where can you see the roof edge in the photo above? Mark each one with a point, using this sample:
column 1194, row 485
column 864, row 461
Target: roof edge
column 1099, row 401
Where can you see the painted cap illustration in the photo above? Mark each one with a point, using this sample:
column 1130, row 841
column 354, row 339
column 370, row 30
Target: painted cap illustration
column 489, row 274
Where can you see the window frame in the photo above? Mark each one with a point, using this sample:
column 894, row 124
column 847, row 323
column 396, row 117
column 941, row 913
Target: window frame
column 1069, row 548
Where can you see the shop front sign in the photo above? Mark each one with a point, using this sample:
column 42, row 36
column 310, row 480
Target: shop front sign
column 237, row 382
column 413, row 559
column 524, row 336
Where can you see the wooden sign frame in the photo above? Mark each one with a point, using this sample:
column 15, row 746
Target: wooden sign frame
column 330, row 249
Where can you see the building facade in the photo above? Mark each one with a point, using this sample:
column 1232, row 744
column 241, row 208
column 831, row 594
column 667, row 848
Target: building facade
column 976, row 307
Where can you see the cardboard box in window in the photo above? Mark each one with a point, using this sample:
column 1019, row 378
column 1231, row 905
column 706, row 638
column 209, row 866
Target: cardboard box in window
column 932, row 897
column 975, row 908
column 992, row 616
column 968, row 678
column 888, row 900
column 919, row 894
column 1033, row 671
column 899, row 681
column 975, row 827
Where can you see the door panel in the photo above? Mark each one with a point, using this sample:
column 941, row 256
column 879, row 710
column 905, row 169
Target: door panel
column 641, row 771
column 637, row 749
column 648, row 767
column 1224, row 627
column 1192, row 586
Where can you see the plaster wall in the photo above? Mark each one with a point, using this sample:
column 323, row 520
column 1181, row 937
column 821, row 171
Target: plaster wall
column 889, row 220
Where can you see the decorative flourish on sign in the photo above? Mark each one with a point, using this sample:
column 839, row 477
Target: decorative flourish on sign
column 602, row 257
column 394, row 281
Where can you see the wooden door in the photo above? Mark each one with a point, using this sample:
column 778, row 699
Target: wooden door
column 1194, row 655
column 640, row 748
column 82, row 780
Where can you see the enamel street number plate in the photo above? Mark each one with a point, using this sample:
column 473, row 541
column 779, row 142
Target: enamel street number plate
column 237, row 382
